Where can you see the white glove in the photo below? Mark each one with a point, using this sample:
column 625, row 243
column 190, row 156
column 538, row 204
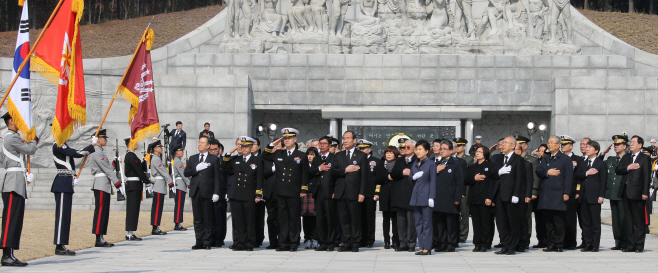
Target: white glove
column 515, row 199
column 83, row 152
column 149, row 188
column 273, row 168
column 119, row 158
column 30, row 177
column 173, row 189
column 94, row 139
column 226, row 197
column 121, row 191
column 215, row 197
column 505, row 170
column 76, row 181
column 430, row 202
column 417, row 175
column 201, row 166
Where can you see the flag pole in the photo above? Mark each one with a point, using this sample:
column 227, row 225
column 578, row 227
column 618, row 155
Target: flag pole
column 117, row 91
column 29, row 55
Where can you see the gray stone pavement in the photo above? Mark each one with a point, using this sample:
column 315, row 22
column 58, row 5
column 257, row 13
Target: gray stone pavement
column 172, row 253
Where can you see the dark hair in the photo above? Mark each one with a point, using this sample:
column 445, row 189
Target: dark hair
column 127, row 140
column 207, row 139
column 179, row 122
column 438, row 140
column 213, row 141
column 205, row 132
column 257, row 141
column 312, row 150
column 485, row 152
column 206, row 124
column 327, row 138
column 220, row 145
column 447, row 142
column 352, row 132
column 595, row 145
column 588, row 139
column 424, row 143
column 640, row 140
column 392, row 149
column 543, row 145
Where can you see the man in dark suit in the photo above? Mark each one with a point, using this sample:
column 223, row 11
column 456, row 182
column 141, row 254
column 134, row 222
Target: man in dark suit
column 203, row 168
column 571, row 220
column 325, row 205
column 556, row 174
column 635, row 169
column 350, row 171
column 591, row 196
column 219, row 233
column 206, row 131
column 524, row 203
column 509, row 173
column 270, row 202
column 291, row 176
column 178, row 137
column 376, row 174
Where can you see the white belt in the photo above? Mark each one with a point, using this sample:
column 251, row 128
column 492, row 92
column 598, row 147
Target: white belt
column 159, row 177
column 99, row 175
column 16, row 169
column 177, row 178
column 133, row 179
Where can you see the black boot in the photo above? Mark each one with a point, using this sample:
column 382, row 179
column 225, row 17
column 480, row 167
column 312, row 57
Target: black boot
column 100, row 242
column 179, row 227
column 62, row 250
column 156, row 231
column 8, row 258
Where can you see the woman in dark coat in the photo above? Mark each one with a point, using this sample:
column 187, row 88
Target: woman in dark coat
column 402, row 198
column 385, row 195
column 477, row 176
column 308, row 204
column 424, row 178
column 449, row 190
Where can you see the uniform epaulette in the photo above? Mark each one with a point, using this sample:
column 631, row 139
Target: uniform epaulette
column 259, row 192
column 305, row 188
column 379, row 187
column 227, row 158
column 268, row 150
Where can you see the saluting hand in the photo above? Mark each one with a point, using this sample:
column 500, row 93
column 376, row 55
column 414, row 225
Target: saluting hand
column 277, row 142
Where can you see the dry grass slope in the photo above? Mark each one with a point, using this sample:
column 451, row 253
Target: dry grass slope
column 636, row 29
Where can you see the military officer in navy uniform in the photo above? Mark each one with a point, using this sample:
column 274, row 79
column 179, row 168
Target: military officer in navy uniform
column 620, row 143
column 571, row 220
column 63, row 189
column 14, row 190
column 291, row 176
column 376, row 175
column 136, row 179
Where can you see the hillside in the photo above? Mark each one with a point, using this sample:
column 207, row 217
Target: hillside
column 637, row 29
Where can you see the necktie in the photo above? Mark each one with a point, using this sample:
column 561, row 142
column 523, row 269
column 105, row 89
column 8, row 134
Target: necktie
column 445, row 161
column 348, row 155
column 244, row 159
column 324, row 158
column 289, row 152
column 633, row 159
column 552, row 157
column 506, row 158
column 437, row 160
column 201, row 158
column 589, row 164
column 176, row 134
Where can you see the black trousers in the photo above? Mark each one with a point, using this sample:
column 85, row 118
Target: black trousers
column 156, row 208
column 349, row 215
column 219, row 230
column 591, row 216
column 390, row 218
column 508, row 222
column 101, row 212
column 179, row 206
column 368, row 209
column 203, row 210
column 325, row 215
column 259, row 214
column 554, row 220
column 133, row 203
column 636, row 221
column 289, row 212
column 245, row 223
column 63, row 205
column 12, row 219
column 570, row 221
column 272, row 220
column 524, row 236
column 309, row 226
column 619, row 223
column 447, row 226
column 540, row 224
column 481, row 216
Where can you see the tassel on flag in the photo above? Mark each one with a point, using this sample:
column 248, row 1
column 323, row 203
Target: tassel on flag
column 19, row 104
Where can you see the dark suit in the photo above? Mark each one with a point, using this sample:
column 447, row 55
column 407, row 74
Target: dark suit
column 449, row 189
column 248, row 186
column 347, row 190
column 291, row 179
column 325, row 205
column 270, row 204
column 179, row 139
column 376, row 174
column 203, row 185
column 480, row 191
column 386, row 194
column 591, row 189
column 571, row 220
column 634, row 184
column 136, row 178
column 508, row 186
column 551, row 195
column 211, row 135
column 524, row 237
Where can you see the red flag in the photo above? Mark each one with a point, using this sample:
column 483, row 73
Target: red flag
column 58, row 58
column 137, row 89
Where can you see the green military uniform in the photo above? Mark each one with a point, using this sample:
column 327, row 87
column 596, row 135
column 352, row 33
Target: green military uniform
column 464, row 211
column 616, row 206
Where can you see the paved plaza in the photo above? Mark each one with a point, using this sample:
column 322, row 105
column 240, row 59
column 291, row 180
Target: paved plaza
column 172, row 253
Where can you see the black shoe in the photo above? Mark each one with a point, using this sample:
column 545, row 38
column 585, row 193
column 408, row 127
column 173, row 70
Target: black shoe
column 616, row 248
column 103, row 244
column 639, row 250
column 581, row 246
column 344, row 249
column 549, row 249
column 498, row 245
column 64, row 251
column 293, row 249
column 539, row 246
column 250, row 249
column 207, row 247
column 520, row 249
column 510, row 252
column 571, row 248
column 450, row 249
column 239, row 248
column 401, row 249
column 558, row 249
column 331, row 248
column 412, row 249
column 441, row 249
column 12, row 261
column 483, row 249
column 231, row 246
column 355, row 249
column 283, row 248
column 271, row 247
column 157, row 231
column 387, row 245
column 197, row 247
column 133, row 238
column 462, row 241
column 501, row 251
column 369, row 245
column 395, row 246
column 179, row 227
column 585, row 248
column 594, row 249
column 477, row 249
column 321, row 248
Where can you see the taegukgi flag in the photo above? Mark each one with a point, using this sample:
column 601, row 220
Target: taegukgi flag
column 19, row 104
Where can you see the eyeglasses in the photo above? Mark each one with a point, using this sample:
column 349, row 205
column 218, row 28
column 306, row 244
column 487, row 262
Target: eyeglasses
column 408, row 148
column 324, row 143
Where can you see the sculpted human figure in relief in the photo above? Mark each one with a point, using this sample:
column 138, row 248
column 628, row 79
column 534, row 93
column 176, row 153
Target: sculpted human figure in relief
column 560, row 7
column 315, row 13
column 297, row 17
column 233, row 18
column 338, row 17
column 463, row 13
column 272, row 23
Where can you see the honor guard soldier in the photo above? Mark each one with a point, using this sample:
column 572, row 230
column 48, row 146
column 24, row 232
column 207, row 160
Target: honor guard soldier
column 460, row 149
column 136, row 178
column 63, row 189
column 248, row 191
column 620, row 143
column 376, row 175
column 571, row 222
column 14, row 190
column 180, row 185
column 291, row 176
column 104, row 179
column 161, row 179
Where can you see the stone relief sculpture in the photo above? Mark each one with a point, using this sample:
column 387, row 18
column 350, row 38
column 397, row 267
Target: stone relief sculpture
column 400, row 27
